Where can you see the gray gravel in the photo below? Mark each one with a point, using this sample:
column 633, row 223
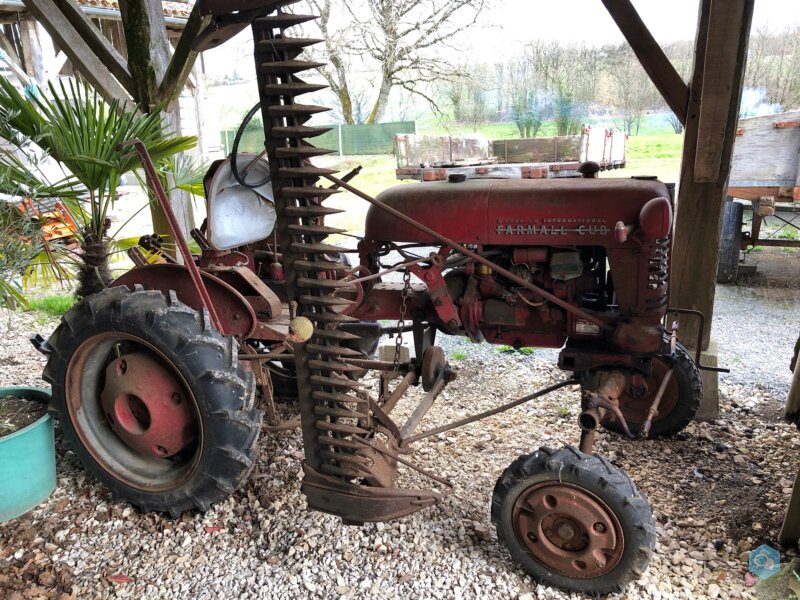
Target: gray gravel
column 726, row 481
column 756, row 329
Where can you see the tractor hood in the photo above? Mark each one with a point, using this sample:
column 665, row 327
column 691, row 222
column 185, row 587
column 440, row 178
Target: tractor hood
column 521, row 211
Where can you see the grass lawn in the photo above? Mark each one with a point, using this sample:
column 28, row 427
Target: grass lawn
column 55, row 305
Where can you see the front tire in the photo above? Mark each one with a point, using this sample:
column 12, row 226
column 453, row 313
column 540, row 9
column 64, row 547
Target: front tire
column 153, row 400
column 573, row 521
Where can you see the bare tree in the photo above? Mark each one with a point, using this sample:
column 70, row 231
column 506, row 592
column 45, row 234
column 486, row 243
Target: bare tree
column 674, row 121
column 631, row 91
column 398, row 39
column 467, row 93
column 773, row 65
column 567, row 76
column 681, row 55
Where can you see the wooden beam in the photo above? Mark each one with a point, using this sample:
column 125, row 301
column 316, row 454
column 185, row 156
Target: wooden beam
column 32, row 51
column 700, row 204
column 11, row 59
column 7, row 46
column 98, row 44
column 182, row 61
column 652, row 58
column 80, row 54
column 719, row 78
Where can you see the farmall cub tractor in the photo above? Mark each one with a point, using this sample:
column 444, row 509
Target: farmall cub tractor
column 161, row 382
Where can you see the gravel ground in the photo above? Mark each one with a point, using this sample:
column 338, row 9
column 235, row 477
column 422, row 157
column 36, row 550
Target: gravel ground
column 717, row 491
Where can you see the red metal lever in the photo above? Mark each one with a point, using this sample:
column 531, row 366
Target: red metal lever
column 163, row 202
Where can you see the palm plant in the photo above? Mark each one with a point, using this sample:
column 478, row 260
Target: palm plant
column 81, row 132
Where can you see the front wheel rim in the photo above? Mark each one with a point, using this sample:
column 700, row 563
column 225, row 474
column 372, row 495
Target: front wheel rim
column 568, row 529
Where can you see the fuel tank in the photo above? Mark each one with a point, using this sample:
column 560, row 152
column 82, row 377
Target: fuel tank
column 570, row 212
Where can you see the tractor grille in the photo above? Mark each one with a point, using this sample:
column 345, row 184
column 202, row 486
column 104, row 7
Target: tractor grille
column 655, row 279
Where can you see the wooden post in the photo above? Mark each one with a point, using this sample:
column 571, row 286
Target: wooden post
column 148, row 61
column 790, row 530
column 715, row 94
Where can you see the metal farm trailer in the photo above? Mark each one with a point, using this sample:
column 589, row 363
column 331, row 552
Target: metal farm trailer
column 435, row 158
column 765, row 173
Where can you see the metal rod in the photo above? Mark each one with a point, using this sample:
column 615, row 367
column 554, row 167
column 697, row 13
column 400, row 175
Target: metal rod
column 378, row 365
column 393, row 455
column 700, row 332
column 653, row 410
column 390, row 270
column 488, row 413
column 772, row 242
column 267, row 356
column 423, row 407
column 180, row 241
column 398, row 392
column 474, row 255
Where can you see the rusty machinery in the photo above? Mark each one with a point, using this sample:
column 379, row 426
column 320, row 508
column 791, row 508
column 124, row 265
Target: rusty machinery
column 161, row 381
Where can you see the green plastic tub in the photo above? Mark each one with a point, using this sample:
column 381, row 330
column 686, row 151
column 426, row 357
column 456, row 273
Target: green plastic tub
column 27, row 460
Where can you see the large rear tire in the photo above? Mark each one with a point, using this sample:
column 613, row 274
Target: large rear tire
column 153, row 400
column 730, row 242
column 573, row 521
column 678, row 406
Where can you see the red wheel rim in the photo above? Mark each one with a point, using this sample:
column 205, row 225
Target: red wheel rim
column 635, row 401
column 133, row 412
column 354, row 293
column 568, row 529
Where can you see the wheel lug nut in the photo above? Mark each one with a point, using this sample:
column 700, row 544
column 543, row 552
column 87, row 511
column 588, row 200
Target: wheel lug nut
column 599, row 528
column 176, row 398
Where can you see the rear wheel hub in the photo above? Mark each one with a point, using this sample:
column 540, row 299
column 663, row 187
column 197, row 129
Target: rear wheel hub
column 145, row 406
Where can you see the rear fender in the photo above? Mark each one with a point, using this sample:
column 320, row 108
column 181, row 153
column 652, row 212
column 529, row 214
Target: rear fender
column 236, row 315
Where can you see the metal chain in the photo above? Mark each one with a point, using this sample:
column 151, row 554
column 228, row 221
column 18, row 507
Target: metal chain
column 398, row 338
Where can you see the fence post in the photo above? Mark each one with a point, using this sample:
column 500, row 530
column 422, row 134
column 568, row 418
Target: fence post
column 341, row 148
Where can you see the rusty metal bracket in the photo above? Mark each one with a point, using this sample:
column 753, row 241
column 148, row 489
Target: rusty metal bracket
column 699, row 343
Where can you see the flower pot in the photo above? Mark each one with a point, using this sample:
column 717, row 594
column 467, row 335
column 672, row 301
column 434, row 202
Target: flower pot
column 27, row 460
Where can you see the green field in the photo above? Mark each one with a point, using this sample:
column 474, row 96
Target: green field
column 430, row 125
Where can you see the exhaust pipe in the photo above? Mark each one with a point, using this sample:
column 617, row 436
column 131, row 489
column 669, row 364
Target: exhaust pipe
column 590, row 419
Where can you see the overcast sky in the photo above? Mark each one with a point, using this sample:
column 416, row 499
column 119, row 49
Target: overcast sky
column 513, row 22
column 506, row 25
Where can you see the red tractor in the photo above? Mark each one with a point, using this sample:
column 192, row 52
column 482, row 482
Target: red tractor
column 161, row 381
